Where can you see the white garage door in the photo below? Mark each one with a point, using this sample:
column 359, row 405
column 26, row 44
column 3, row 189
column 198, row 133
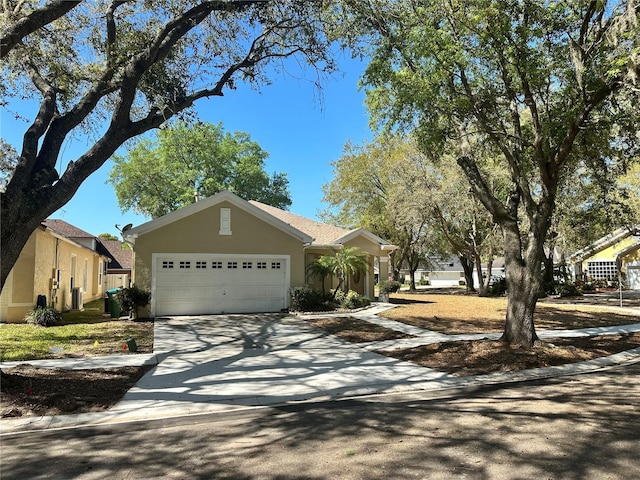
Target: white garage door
column 192, row 284
column 633, row 277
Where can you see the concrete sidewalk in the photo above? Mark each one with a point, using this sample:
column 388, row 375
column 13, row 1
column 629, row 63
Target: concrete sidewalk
column 226, row 362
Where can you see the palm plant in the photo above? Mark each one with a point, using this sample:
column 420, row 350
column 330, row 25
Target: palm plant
column 321, row 268
column 344, row 263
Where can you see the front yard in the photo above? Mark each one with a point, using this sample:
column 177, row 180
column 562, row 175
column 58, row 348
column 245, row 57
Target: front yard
column 27, row 390
column 80, row 334
column 453, row 314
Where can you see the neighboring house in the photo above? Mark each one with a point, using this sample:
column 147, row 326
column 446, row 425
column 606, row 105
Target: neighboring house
column 440, row 271
column 60, row 263
column 447, row 271
column 119, row 264
column 226, row 255
column 599, row 261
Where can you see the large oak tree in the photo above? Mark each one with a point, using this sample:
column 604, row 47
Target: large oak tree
column 114, row 69
column 532, row 78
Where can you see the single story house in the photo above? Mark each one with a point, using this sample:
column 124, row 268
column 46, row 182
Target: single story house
column 600, row 260
column 447, row 271
column 226, row 255
column 438, row 271
column 60, row 264
column 119, row 263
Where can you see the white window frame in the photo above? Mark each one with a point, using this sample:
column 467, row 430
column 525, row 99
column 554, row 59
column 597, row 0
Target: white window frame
column 225, row 221
column 85, row 276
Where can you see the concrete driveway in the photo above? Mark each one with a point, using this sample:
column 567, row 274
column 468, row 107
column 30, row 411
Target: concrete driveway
column 220, row 362
column 223, row 362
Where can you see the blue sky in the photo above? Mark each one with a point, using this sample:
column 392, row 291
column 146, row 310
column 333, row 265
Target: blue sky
column 301, row 128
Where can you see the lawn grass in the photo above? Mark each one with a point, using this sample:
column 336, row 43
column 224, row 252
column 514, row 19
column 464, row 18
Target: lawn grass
column 75, row 336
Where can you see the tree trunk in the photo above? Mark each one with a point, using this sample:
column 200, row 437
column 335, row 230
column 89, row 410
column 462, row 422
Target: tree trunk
column 467, row 268
column 21, row 215
column 523, row 286
column 483, row 287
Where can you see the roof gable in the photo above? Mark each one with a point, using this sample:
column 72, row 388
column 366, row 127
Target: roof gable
column 603, row 243
column 209, row 202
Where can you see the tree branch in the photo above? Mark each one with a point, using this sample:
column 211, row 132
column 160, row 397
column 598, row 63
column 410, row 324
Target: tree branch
column 34, row 21
column 483, row 193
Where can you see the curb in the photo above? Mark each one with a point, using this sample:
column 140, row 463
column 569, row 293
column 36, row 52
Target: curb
column 444, row 388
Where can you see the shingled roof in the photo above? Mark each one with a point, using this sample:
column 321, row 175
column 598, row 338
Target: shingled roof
column 323, row 233
column 66, row 229
column 120, row 259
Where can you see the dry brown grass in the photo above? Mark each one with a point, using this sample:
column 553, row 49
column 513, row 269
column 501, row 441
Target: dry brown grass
column 458, row 314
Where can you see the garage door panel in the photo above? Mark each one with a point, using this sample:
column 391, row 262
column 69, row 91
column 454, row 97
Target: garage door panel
column 189, row 285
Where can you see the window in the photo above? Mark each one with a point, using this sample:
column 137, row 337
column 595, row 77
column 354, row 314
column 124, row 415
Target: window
column 185, row 264
column 101, row 268
column 225, row 221
column 247, row 265
column 261, row 265
column 85, row 276
column 232, row 265
column 167, row 264
column 216, row 264
column 602, row 270
column 201, row 265
column 72, row 277
column 275, row 265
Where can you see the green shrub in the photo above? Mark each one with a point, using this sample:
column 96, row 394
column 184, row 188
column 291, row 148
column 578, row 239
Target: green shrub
column 130, row 299
column 307, row 299
column 499, row 287
column 351, row 299
column 45, row 317
column 423, row 281
column 387, row 286
column 568, row 289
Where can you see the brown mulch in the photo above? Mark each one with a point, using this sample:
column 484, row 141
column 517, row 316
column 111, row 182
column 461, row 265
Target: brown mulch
column 32, row 391
column 488, row 356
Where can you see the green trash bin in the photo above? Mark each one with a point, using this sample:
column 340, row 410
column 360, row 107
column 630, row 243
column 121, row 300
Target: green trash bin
column 114, row 307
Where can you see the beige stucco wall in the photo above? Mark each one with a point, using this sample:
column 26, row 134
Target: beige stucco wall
column 200, row 233
column 32, row 274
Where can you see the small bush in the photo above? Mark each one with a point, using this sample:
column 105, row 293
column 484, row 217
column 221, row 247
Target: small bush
column 45, row 317
column 568, row 289
column 130, row 299
column 423, row 282
column 352, row 299
column 498, row 287
column 307, row 299
column 387, row 286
